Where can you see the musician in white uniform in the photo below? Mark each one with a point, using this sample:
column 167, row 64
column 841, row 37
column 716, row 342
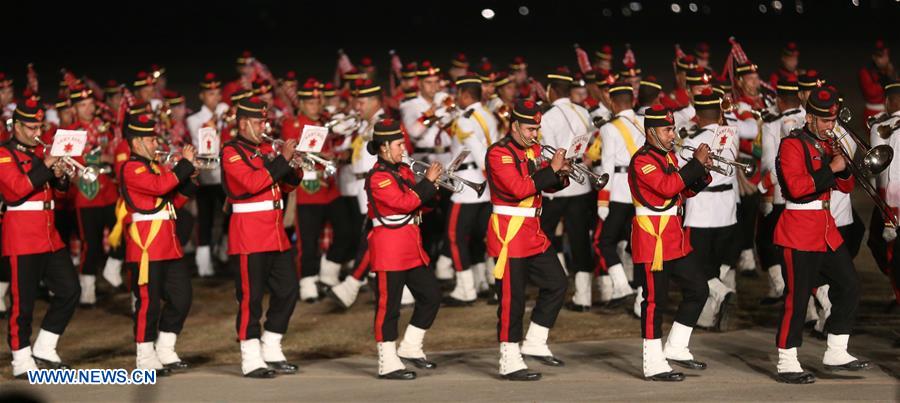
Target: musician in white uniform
column 467, row 222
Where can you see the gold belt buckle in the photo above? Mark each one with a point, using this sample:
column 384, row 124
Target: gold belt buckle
column 537, row 211
column 48, row 205
column 826, row 204
column 276, row 204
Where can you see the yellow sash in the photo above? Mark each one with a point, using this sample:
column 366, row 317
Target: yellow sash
column 626, row 134
column 356, row 146
column 646, row 224
column 144, row 267
column 515, row 224
column 484, row 127
column 115, row 234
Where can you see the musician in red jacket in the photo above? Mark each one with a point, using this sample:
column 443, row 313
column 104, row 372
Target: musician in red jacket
column 522, row 250
column 808, row 168
column 32, row 248
column 153, row 254
column 873, row 77
column 395, row 202
column 258, row 247
column 658, row 187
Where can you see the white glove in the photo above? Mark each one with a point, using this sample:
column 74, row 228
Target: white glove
column 766, row 208
column 889, row 234
column 603, row 212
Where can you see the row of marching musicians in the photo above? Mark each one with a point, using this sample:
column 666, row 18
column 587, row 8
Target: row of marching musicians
column 518, row 171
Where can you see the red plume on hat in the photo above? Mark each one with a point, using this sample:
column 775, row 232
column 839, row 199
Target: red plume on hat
column 387, row 121
column 209, row 76
column 823, row 95
column 31, row 103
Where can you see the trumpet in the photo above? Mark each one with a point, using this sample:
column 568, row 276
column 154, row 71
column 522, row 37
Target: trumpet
column 74, row 169
column 201, row 162
column 721, row 164
column 351, row 119
column 579, row 172
column 448, row 180
column 875, row 160
column 449, row 105
column 307, row 161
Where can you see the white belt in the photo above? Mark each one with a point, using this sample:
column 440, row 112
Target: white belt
column 159, row 215
column 875, row 107
column 254, row 207
column 644, row 211
column 310, row 175
column 813, row 205
column 395, row 219
column 517, row 211
column 34, row 205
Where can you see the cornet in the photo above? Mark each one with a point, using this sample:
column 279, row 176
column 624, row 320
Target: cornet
column 204, row 162
column 74, row 169
column 349, row 122
column 721, row 164
column 448, row 179
column 307, row 161
column 449, row 106
column 579, row 172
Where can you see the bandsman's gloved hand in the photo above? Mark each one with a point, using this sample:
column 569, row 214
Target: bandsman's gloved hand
column 766, row 208
column 603, row 212
column 889, row 234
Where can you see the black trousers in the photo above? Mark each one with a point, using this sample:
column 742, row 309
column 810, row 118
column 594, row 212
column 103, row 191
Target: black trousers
column 694, row 291
column 616, row 227
column 876, row 242
column 361, row 266
column 712, row 247
column 802, row 270
column 350, row 208
column 210, row 199
column 769, row 253
column 66, row 224
column 91, row 223
column 467, row 225
column 26, row 272
column 310, row 223
column 434, row 224
column 854, row 233
column 169, row 282
column 542, row 270
column 424, row 287
column 578, row 213
column 747, row 213
column 255, row 274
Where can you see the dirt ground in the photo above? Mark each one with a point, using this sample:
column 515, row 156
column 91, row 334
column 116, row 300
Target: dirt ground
column 102, row 337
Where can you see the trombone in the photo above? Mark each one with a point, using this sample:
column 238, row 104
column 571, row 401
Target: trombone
column 74, row 169
column 448, row 180
column 721, row 165
column 875, row 160
column 579, row 172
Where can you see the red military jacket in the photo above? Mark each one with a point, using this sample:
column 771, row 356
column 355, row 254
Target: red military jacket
column 313, row 189
column 24, row 177
column 657, row 183
column 148, row 187
column 248, row 176
column 103, row 191
column 871, row 83
column 394, row 198
column 516, row 179
column 803, row 172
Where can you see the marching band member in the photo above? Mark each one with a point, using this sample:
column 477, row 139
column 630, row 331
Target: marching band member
column 467, row 222
column 210, row 196
column 659, row 187
column 522, row 251
column 790, row 57
column 153, row 252
column 394, row 204
column 621, row 138
column 710, row 216
column 884, row 131
column 258, row 248
column 32, row 249
column 808, row 168
column 872, row 78
column 561, row 125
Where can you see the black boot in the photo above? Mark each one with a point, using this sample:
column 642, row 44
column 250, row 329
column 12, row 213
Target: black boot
column 577, row 308
column 689, row 364
column 670, row 376
column 522, row 375
column 546, row 360
column 282, row 367
column 177, row 366
column 855, row 365
column 260, row 373
column 420, row 363
column 47, row 364
column 796, row 378
column 399, row 375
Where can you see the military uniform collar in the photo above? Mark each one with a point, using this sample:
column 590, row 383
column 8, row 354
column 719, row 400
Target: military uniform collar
column 393, row 166
column 563, row 100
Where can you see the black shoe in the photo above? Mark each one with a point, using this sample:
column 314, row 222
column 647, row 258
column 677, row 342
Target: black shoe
column 163, row 371
column 420, row 363
column 282, row 367
column 670, row 376
column 522, row 375
column 260, row 373
column 451, row 302
column 796, row 377
column 749, row 273
column 855, row 365
column 177, row 366
column 399, row 375
column 724, row 312
column 86, row 306
column 47, row 364
column 771, row 300
column 689, row 364
column 617, row 303
column 577, row 308
column 819, row 335
column 546, row 360
column 492, row 299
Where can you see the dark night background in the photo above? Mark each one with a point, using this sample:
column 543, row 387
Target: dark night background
column 105, row 40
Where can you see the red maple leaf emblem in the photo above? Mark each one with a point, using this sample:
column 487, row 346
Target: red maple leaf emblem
column 208, row 144
column 723, row 140
column 312, row 143
column 67, row 148
column 577, row 148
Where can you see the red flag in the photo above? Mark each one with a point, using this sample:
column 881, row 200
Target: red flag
column 629, row 59
column 584, row 63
